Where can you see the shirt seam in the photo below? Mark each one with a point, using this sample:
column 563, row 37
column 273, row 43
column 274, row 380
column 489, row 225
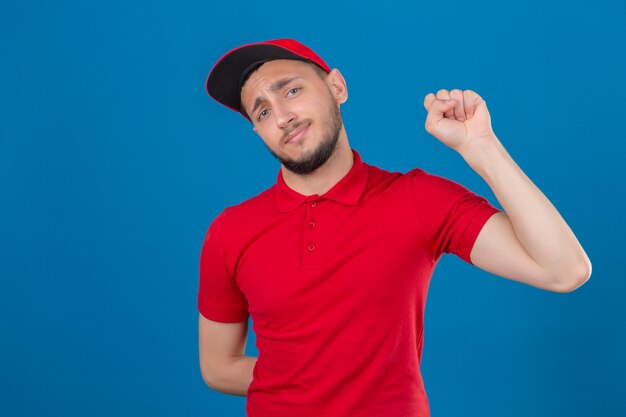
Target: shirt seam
column 232, row 277
column 419, row 218
column 468, row 227
column 478, row 217
column 222, row 246
column 225, row 309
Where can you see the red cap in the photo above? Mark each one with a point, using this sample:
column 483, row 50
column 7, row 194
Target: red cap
column 224, row 81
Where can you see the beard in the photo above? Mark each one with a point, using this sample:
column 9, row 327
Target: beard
column 311, row 160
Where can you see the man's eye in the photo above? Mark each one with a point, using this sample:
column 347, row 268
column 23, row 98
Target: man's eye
column 262, row 114
column 293, row 90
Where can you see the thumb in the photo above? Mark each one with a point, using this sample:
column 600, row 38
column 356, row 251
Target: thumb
column 439, row 106
column 436, row 114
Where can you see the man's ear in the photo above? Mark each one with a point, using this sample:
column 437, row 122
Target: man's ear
column 337, row 85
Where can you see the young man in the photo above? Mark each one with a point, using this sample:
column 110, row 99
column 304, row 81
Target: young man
column 333, row 262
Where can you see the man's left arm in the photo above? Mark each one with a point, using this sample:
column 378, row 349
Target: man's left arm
column 530, row 242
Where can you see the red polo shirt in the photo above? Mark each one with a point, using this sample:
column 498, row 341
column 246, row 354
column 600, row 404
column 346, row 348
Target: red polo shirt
column 336, row 287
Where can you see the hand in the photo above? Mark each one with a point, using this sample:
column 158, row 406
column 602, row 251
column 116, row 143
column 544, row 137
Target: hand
column 457, row 118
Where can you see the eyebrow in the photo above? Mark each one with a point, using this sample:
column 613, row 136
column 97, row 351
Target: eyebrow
column 277, row 85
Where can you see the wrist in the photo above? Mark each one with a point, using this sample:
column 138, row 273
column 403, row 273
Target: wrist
column 484, row 154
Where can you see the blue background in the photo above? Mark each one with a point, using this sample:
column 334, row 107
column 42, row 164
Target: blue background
column 114, row 161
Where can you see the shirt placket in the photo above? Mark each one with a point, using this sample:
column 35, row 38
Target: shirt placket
column 311, row 241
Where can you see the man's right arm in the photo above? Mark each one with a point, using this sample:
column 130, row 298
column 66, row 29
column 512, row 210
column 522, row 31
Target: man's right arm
column 224, row 366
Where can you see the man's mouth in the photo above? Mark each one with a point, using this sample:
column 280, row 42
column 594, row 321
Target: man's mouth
column 297, row 134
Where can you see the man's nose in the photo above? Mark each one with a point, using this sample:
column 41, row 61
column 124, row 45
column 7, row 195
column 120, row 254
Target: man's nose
column 284, row 116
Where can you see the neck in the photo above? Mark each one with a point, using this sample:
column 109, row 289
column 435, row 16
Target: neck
column 325, row 177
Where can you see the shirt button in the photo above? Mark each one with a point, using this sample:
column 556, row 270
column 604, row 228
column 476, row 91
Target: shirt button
column 311, row 247
column 313, row 203
column 312, row 224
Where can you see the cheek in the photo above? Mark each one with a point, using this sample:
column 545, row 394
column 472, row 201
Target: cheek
column 324, row 106
column 271, row 137
column 317, row 107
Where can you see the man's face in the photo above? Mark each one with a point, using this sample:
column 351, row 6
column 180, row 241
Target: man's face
column 294, row 112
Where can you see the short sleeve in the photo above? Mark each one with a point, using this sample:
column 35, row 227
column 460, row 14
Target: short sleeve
column 219, row 297
column 451, row 216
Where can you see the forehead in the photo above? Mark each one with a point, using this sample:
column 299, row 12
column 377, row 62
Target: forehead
column 275, row 70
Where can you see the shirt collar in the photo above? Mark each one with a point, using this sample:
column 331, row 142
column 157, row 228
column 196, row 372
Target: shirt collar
column 347, row 191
